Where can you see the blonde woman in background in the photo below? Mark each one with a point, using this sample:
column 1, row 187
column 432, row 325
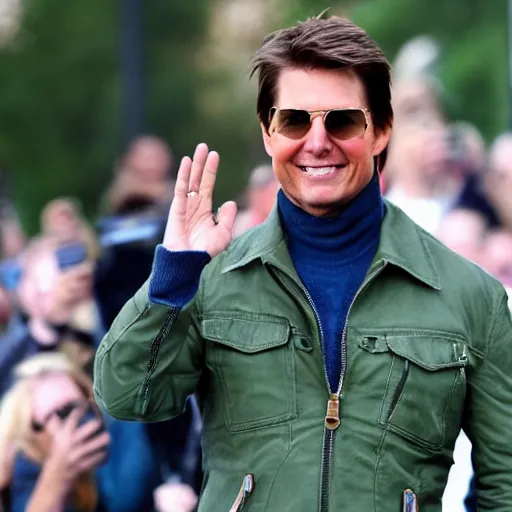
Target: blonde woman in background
column 51, row 438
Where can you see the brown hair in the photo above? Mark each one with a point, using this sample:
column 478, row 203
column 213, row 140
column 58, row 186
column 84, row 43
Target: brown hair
column 328, row 43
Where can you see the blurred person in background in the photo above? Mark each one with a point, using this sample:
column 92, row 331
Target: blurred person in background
column 134, row 208
column 419, row 178
column 468, row 153
column 143, row 172
column 336, row 349
column 51, row 438
column 6, row 309
column 49, row 291
column 12, row 237
column 498, row 255
column 12, row 243
column 260, row 197
column 497, row 181
column 50, row 449
column 464, row 231
column 62, row 217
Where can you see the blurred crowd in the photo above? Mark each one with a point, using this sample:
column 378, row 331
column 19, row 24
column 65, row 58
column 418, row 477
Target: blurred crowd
column 61, row 290
column 444, row 176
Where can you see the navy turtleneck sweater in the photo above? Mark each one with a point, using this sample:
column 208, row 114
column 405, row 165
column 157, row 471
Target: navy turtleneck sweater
column 331, row 256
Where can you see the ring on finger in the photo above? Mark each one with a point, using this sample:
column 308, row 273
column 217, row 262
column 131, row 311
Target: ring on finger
column 191, row 193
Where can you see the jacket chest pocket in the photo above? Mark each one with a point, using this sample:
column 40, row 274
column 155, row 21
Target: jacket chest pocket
column 426, row 386
column 252, row 358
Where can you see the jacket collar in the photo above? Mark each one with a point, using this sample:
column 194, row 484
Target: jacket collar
column 402, row 243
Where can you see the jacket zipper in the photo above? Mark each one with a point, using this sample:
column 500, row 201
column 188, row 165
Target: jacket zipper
column 332, row 418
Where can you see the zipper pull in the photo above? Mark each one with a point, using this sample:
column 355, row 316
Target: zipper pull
column 245, row 491
column 409, row 501
column 332, row 418
column 248, row 484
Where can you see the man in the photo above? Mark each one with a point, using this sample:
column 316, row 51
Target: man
column 337, row 349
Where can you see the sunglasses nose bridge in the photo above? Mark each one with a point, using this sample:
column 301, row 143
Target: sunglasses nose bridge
column 317, row 139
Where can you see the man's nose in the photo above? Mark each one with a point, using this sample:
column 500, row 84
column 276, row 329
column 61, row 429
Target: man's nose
column 317, row 140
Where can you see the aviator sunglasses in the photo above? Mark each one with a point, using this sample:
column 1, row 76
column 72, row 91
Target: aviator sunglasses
column 340, row 123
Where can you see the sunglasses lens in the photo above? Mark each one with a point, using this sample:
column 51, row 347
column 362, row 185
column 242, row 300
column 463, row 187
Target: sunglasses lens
column 65, row 411
column 345, row 124
column 292, row 123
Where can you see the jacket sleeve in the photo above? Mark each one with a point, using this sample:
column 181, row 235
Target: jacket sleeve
column 150, row 360
column 488, row 418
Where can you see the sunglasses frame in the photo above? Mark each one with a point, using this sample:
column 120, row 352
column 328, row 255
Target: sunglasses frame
column 317, row 113
column 69, row 406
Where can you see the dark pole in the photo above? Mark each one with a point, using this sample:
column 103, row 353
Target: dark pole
column 131, row 68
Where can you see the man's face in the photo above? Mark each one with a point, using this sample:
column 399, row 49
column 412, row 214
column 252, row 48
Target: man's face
column 350, row 161
column 149, row 159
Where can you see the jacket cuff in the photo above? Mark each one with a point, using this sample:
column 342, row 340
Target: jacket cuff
column 175, row 276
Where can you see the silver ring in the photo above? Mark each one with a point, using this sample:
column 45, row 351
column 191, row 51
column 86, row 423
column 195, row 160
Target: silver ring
column 191, row 193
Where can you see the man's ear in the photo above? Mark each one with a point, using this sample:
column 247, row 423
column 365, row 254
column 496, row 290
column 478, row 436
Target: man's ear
column 381, row 140
column 267, row 140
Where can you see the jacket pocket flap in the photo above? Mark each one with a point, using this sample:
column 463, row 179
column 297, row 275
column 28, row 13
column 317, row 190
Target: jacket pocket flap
column 245, row 333
column 429, row 352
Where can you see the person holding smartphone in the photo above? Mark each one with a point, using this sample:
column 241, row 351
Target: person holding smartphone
column 55, row 280
column 52, row 438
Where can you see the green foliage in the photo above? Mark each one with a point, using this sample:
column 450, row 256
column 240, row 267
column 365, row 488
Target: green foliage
column 59, row 106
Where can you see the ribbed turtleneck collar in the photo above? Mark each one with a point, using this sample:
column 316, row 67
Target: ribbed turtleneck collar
column 353, row 229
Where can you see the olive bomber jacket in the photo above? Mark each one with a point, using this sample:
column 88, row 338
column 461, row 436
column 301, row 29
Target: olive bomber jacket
column 427, row 351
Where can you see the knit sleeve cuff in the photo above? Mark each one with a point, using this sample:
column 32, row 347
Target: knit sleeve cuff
column 175, row 277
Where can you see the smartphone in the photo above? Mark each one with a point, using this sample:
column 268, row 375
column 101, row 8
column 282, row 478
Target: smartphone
column 10, row 274
column 70, row 255
column 89, row 415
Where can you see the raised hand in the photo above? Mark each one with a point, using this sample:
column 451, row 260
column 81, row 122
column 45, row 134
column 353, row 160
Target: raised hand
column 76, row 449
column 192, row 225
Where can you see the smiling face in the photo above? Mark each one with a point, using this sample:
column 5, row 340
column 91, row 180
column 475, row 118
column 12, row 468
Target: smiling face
column 319, row 173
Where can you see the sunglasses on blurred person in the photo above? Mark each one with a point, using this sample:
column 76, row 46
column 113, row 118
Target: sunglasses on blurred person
column 340, row 123
column 89, row 413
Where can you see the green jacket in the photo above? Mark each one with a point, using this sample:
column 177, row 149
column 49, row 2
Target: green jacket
column 428, row 346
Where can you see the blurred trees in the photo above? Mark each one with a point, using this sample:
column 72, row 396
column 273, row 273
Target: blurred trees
column 60, row 96
column 59, row 102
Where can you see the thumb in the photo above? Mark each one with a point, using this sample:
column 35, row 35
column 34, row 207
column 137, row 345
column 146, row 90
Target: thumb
column 226, row 215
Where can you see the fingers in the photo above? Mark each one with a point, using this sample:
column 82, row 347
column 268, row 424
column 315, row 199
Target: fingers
column 70, row 424
column 198, row 166
column 226, row 215
column 91, row 447
column 209, row 176
column 87, row 430
column 195, row 175
column 90, row 462
column 179, row 203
